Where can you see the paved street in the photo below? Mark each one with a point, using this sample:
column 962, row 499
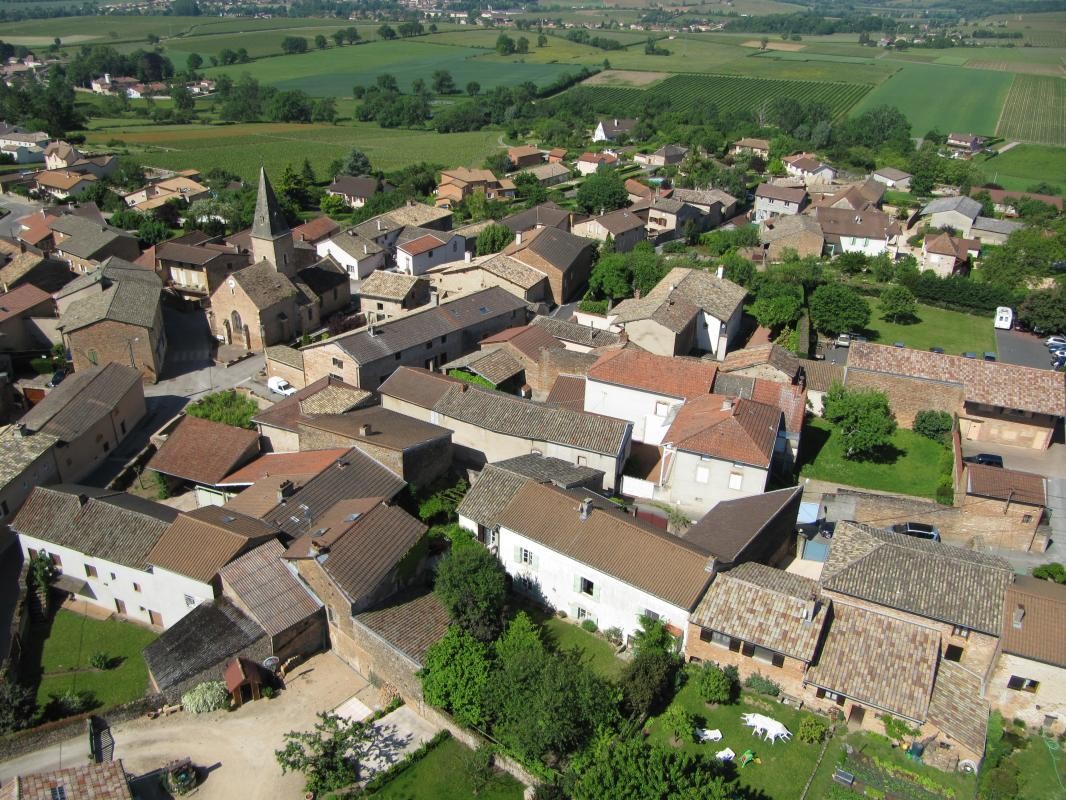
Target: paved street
column 1025, row 349
column 19, row 207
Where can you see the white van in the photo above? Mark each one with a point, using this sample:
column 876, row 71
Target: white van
column 1004, row 318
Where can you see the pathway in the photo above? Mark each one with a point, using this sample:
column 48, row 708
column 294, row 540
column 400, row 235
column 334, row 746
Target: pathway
column 1008, row 146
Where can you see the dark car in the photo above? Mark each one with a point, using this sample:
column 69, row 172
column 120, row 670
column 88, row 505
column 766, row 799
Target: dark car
column 988, row 460
column 919, row 530
column 936, row 350
column 990, row 356
column 57, row 378
column 969, row 355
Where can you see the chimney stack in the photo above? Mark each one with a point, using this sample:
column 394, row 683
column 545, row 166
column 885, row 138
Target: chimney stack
column 1019, row 615
column 518, row 237
column 586, row 508
column 285, row 490
column 379, row 224
column 364, row 429
column 720, row 272
column 365, row 249
column 727, row 404
column 467, row 256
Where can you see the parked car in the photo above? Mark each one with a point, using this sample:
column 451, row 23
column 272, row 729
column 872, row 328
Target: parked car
column 969, row 355
column 280, row 386
column 936, row 350
column 1055, row 341
column 57, row 378
column 919, row 530
column 843, row 340
column 990, row 356
column 988, row 460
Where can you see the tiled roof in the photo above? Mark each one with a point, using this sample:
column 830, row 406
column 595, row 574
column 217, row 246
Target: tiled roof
column 929, row 579
column 964, row 205
column 495, row 366
column 422, row 326
column 113, row 526
column 200, row 542
column 284, row 354
column 388, row 285
column 727, row 529
column 19, row 301
column 315, row 230
column 893, row 174
column 1033, row 611
column 204, row 638
column 612, row 542
column 958, row 707
column 1006, row 484
column 104, row 781
column 822, row 374
column 303, row 464
column 772, row 191
column 733, row 429
column 865, row 224
column 510, row 269
column 263, row 285
column 131, row 302
column 574, row 332
column 552, row 248
column 993, row 225
column 985, row 382
column 355, row 186
column 529, row 340
column 760, row 144
column 637, row 369
column 421, row 245
column 514, row 416
column 274, row 597
column 772, row 354
column 204, row 451
column 410, row 623
column 336, row 398
column 418, row 386
column 704, row 197
column 386, row 428
column 620, row 221
column 879, row 661
column 17, row 452
column 792, row 400
column 568, row 391
column 547, row 215
column 678, row 296
column 767, row 607
column 356, row 245
column 81, row 401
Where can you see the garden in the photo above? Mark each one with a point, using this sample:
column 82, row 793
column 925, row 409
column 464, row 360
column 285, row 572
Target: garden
column 954, row 331
column 448, row 771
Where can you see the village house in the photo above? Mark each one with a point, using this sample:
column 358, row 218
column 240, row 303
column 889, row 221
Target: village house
column 19, row 333
column 856, row 197
column 494, row 270
column 893, row 178
column 104, row 781
column 866, row 231
column 179, row 188
column 646, row 389
column 772, row 200
column 945, row 254
column 63, row 184
column 426, row 338
column 579, row 555
column 522, row 349
column 61, row 155
column 669, row 218
column 202, row 452
column 588, row 163
column 609, row 130
column 758, row 147
column 46, row 273
column 524, row 156
column 389, row 294
column 1011, row 504
column 279, row 425
column 957, row 213
column 996, row 402
column 576, row 337
column 565, row 258
column 639, row 192
column 195, row 265
column 356, row 254
column 26, row 460
column 549, row 174
column 798, row 232
column 809, row 168
column 459, row 183
column 356, row 190
column 489, row 426
column 543, row 215
column 315, row 231
column 966, row 143
column 989, row 230
column 623, row 227
column 1029, row 680
column 715, row 205
column 666, row 156
column 418, row 249
column 270, row 470
column 84, row 244
column 556, row 155
column 1003, row 201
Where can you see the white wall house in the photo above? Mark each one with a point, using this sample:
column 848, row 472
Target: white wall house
column 425, row 252
column 358, row 256
column 650, row 413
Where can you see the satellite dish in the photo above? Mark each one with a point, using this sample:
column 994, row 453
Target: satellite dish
column 271, row 663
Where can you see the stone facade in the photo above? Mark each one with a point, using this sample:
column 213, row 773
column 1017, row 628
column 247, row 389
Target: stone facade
column 552, row 364
column 908, row 396
column 786, row 671
column 419, row 465
column 109, row 341
column 1042, row 707
column 980, row 423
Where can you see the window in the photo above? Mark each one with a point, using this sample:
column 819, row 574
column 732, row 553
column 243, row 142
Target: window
column 703, row 475
column 136, row 587
column 4, row 508
column 398, row 355
column 587, row 587
column 1020, row 684
column 721, row 639
column 57, row 562
column 525, row 556
column 582, row 461
column 953, row 652
column 581, row 614
column 961, row 633
column 662, row 408
column 338, row 363
column 429, row 345
column 381, row 306
column 430, row 254
column 112, row 576
column 766, row 656
column 736, row 480
column 59, row 793
column 107, row 446
column 94, row 359
column 444, row 338
column 90, row 571
column 836, row 698
column 1027, row 518
column 122, row 427
column 190, row 601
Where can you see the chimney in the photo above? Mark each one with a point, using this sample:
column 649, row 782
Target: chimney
column 313, row 549
column 518, row 237
column 434, row 297
column 720, row 272
column 285, row 489
column 370, row 328
column 365, row 250
column 727, row 404
column 463, row 386
column 809, row 608
column 467, row 256
column 364, row 429
column 1019, row 615
column 379, row 224
column 586, row 508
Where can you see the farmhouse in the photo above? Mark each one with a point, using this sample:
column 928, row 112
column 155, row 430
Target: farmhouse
column 666, row 156
column 957, row 213
column 588, row 163
column 772, row 200
column 624, row 228
column 893, row 178
column 869, row 232
column 758, row 147
column 946, row 254
column 524, row 156
column 355, row 191
column 608, row 130
column 195, row 265
column 459, row 183
column 809, row 168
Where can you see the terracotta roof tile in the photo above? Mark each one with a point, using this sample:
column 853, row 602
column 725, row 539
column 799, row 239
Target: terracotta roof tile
column 204, row 451
column 306, row 463
column 1006, row 484
column 568, row 391
column 733, row 429
column 1032, row 625
column 199, row 543
column 19, row 301
column 637, row 369
column 106, row 781
column 411, row 623
column 272, row 595
column 958, row 707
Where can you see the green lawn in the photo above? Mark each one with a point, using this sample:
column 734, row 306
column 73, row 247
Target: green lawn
column 955, row 331
column 785, row 766
column 71, row 642
column 1025, row 165
column 914, row 470
column 441, row 775
column 599, row 652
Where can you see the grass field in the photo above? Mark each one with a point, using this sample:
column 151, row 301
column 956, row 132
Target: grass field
column 599, row 652
column 919, row 91
column 241, row 149
column 441, row 775
column 70, row 643
column 1035, row 110
column 914, row 470
column 936, row 327
column 1025, row 165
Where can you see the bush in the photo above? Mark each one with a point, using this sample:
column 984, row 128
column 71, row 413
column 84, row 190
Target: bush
column 812, row 730
column 716, row 685
column 613, row 635
column 206, row 697
column 227, row 407
column 100, row 660
column 1051, row 572
column 679, row 723
column 935, row 425
column 762, row 685
column 269, row 692
column 18, row 705
column 647, row 680
column 589, row 625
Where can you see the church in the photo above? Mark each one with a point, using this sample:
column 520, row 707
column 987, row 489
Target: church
column 286, row 292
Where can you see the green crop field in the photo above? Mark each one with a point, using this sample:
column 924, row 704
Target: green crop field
column 1040, row 30
column 1035, row 110
column 1025, row 165
column 729, row 93
column 944, row 97
column 241, row 149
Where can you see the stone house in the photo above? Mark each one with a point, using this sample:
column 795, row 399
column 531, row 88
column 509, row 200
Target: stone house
column 945, row 254
column 565, row 258
column 758, row 147
column 195, row 265
column 669, row 215
column 356, row 255
column 715, row 205
column 543, row 215
column 315, row 231
column 865, row 231
column 798, row 232
column 893, row 178
column 26, row 461
column 418, row 250
column 1011, row 504
column 461, row 182
column 772, row 200
column 495, row 270
column 389, row 294
column 988, row 230
column 356, row 190
column 957, row 213
column 279, row 425
column 588, row 163
column 666, row 156
column 202, row 452
column 524, row 156
column 624, row 228
column 84, row 244
column 18, row 307
column 809, row 168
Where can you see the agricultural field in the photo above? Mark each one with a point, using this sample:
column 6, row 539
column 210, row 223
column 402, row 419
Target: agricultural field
column 241, row 149
column 729, row 93
column 1025, row 165
column 1040, row 30
column 1035, row 110
column 919, row 91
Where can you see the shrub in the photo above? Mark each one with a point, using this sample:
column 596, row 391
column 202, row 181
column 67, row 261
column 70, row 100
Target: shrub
column 477, row 764
column 613, row 635
column 679, row 723
column 762, row 685
column 100, row 660
column 935, row 425
column 1053, row 572
column 897, row 729
column 589, row 625
column 18, row 705
column 715, row 685
column 647, row 679
column 205, row 697
column 69, row 703
column 812, row 730
column 269, row 692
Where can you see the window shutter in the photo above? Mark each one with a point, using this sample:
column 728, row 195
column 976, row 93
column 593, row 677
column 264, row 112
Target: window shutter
column 577, row 583
column 596, row 590
column 536, row 562
column 518, row 554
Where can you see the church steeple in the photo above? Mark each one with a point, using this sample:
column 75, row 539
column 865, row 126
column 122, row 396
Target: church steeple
column 271, row 237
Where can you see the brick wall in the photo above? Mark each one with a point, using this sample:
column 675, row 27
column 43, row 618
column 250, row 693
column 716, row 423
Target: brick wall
column 554, row 363
column 112, row 342
column 907, row 396
column 789, row 675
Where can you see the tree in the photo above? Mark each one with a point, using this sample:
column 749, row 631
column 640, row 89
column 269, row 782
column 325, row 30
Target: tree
column 227, row 407
column 351, row 35
column 338, row 37
column 898, row 304
column 522, row 45
column 418, row 86
column 194, row 61
column 387, row 83
column 455, row 676
column 933, row 424
column 329, row 756
column 777, row 304
column 505, row 45
column 601, row 192
column 716, row 685
column 542, row 40
column 333, row 206
column 473, row 88
column 18, row 705
column 836, row 308
column 647, row 679
column 897, row 729
column 1045, row 310
column 291, row 45
column 679, row 723
column 472, row 586
column 493, row 238
column 320, row 42
column 356, row 163
column 498, row 162
column 386, row 32
column 863, row 420
column 653, row 637
column 443, row 83
column 324, row 109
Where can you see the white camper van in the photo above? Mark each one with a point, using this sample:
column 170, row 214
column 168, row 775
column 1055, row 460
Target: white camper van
column 1004, row 318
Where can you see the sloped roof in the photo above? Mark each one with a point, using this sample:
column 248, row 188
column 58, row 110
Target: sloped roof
column 727, row 529
column 791, row 400
column 204, row 451
column 18, row 452
column 315, row 230
column 1037, row 631
column 772, row 191
column 568, row 391
column 268, row 221
column 550, row 247
column 772, row 354
column 327, row 395
column 388, row 285
column 82, row 400
column 385, row 428
column 418, row 386
column 19, row 301
column 929, row 579
column 547, row 215
column 529, row 340
column 274, row 597
column 575, row 332
column 411, row 623
column 822, row 374
column 637, row 369
column 733, row 429
column 496, row 366
column 964, row 205
column 957, row 706
column 104, row 781
column 689, row 290
column 198, row 543
column 302, row 464
column 1006, row 484
column 766, row 606
column 131, row 302
column 263, row 285
column 879, row 661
